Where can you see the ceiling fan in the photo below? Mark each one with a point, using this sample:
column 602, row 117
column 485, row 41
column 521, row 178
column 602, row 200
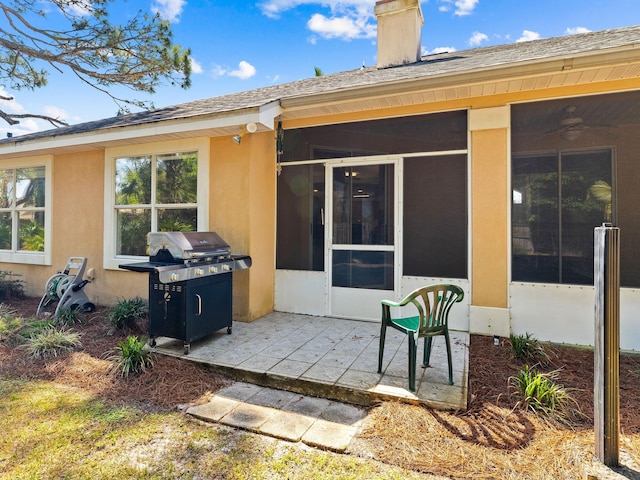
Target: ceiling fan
column 571, row 126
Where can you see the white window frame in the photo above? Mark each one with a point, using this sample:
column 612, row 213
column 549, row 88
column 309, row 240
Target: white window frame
column 111, row 260
column 35, row 258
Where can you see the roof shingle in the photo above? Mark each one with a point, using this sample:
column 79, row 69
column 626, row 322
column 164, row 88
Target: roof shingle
column 430, row 66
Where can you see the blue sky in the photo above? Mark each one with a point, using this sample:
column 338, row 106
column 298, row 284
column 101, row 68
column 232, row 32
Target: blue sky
column 242, row 44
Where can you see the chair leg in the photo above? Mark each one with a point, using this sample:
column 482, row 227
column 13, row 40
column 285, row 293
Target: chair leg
column 426, row 358
column 446, row 336
column 413, row 350
column 383, row 334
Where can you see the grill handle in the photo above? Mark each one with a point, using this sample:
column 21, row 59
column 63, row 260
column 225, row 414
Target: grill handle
column 199, row 305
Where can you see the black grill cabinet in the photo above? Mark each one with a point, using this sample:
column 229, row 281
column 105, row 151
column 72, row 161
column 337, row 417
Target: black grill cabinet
column 189, row 310
column 190, row 284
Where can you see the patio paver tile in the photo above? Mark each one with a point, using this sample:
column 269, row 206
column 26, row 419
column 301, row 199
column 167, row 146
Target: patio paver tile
column 324, row 373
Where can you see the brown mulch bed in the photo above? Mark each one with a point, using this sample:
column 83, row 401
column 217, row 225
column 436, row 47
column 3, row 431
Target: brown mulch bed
column 169, row 383
column 492, row 439
column 490, row 367
column 173, row 381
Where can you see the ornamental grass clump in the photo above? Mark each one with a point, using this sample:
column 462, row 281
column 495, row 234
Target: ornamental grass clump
column 15, row 330
column 540, row 393
column 125, row 313
column 131, row 356
column 68, row 316
column 52, row 342
column 527, row 348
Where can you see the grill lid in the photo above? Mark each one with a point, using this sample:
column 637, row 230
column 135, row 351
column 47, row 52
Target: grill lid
column 188, row 245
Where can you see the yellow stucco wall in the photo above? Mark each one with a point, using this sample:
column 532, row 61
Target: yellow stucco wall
column 243, row 190
column 489, row 218
column 242, row 206
column 77, row 230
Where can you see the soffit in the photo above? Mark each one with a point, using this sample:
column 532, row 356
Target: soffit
column 559, row 74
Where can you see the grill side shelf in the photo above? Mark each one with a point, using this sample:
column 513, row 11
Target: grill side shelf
column 147, row 267
column 179, row 272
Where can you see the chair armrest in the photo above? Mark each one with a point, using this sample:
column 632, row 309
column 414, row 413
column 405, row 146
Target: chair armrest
column 390, row 303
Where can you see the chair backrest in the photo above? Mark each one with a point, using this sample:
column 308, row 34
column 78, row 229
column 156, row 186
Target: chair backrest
column 436, row 303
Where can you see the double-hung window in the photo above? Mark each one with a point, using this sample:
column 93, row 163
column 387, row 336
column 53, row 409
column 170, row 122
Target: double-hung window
column 25, row 211
column 153, row 192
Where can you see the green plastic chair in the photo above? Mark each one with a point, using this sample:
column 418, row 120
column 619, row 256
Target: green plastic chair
column 433, row 304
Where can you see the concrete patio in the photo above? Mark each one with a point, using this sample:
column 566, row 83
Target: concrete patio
column 330, row 358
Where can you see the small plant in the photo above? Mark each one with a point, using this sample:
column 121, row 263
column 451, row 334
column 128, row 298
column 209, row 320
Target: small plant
column 540, row 393
column 68, row 316
column 126, row 312
column 130, row 357
column 11, row 288
column 51, row 342
column 9, row 327
column 31, row 327
column 17, row 330
column 527, row 348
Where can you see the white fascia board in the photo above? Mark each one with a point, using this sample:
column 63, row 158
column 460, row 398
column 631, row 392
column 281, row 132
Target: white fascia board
column 268, row 114
column 265, row 115
column 499, row 72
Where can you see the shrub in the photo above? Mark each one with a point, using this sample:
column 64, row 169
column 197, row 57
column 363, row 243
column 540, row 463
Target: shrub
column 131, row 357
column 51, row 342
column 10, row 288
column 126, row 312
column 527, row 348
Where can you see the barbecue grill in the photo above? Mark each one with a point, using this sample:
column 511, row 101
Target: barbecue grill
column 190, row 284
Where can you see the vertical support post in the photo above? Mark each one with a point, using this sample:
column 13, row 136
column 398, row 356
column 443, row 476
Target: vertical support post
column 607, row 344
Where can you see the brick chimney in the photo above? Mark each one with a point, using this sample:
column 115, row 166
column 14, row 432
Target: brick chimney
column 399, row 32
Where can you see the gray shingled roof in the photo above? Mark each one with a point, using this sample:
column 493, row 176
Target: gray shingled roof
column 430, row 66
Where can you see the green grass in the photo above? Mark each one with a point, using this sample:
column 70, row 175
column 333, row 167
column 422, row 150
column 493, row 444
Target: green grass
column 62, row 432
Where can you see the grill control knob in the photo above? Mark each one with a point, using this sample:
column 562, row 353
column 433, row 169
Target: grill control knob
column 175, row 277
column 226, row 266
column 199, row 271
column 213, row 269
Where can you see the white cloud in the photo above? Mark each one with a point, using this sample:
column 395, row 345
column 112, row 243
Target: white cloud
column 345, row 28
column 528, row 35
column 346, row 19
column 477, row 38
column 80, row 8
column 462, row 7
column 169, row 9
column 245, row 70
column 218, row 71
column 26, row 125
column 465, row 7
column 196, row 67
column 575, row 30
column 437, row 50
column 11, row 106
column 55, row 112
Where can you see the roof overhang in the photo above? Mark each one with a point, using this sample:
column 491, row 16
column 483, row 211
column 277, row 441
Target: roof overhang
column 221, row 124
column 566, row 71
